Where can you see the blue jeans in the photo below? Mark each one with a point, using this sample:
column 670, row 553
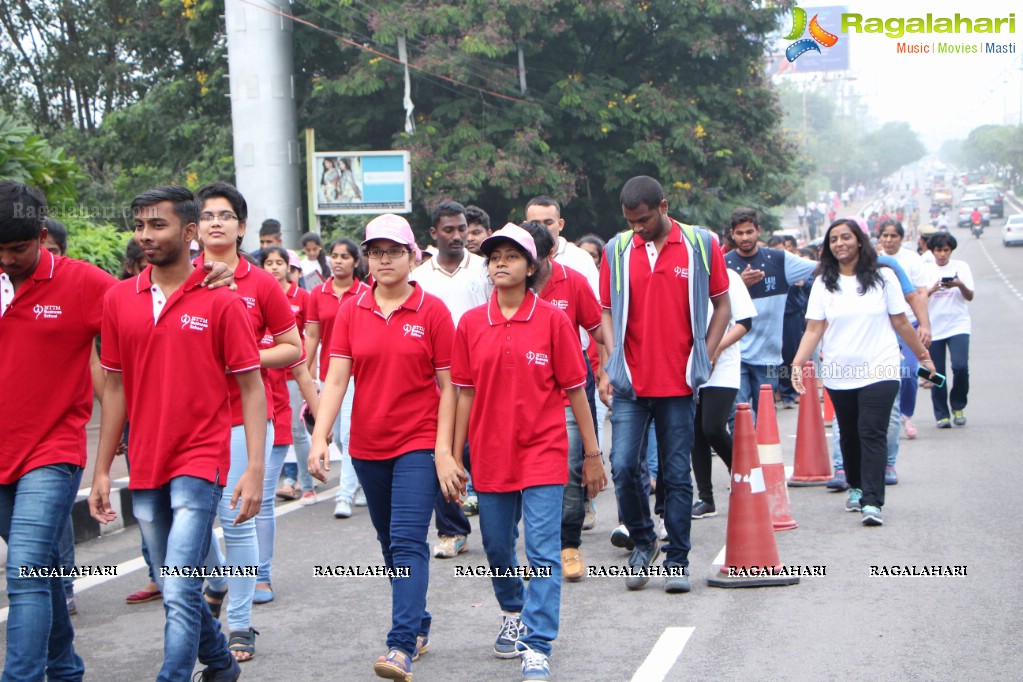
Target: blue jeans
column 176, row 522
column 751, row 377
column 400, row 494
column 266, row 522
column 674, row 424
column 573, row 506
column 145, row 549
column 342, row 431
column 241, row 541
column 301, row 439
column 958, row 347
column 539, row 508
column 66, row 549
column 33, row 513
column 908, row 382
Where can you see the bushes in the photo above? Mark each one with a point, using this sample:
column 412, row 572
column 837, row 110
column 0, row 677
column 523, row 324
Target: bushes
column 102, row 245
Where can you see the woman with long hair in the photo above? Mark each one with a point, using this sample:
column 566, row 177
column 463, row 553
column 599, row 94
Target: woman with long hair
column 856, row 308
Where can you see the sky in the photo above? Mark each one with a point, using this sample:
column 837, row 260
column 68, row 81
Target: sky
column 941, row 95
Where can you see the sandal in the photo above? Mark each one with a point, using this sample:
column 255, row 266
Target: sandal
column 422, row 646
column 243, row 641
column 215, row 600
column 394, row 666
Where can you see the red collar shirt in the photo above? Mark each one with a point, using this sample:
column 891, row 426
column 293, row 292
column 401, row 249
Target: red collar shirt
column 175, row 372
column 659, row 333
column 299, row 300
column 396, row 359
column 517, row 432
column 570, row 292
column 269, row 313
column 47, row 328
column 322, row 310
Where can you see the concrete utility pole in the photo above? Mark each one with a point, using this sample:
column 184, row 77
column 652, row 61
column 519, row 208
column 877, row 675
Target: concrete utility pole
column 266, row 152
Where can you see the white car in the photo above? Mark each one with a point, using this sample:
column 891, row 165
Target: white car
column 1012, row 232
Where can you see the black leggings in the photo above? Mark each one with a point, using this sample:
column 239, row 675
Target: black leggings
column 863, row 414
column 711, row 430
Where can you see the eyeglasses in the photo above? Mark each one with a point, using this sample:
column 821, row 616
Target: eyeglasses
column 223, row 216
column 377, row 254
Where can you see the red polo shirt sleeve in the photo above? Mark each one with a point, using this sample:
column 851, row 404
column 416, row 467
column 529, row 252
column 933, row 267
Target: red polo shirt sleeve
column 110, row 349
column 340, row 337
column 569, row 368
column 277, row 313
column 718, row 272
column 461, row 372
column 587, row 308
column 442, row 336
column 605, row 282
column 312, row 312
column 235, row 338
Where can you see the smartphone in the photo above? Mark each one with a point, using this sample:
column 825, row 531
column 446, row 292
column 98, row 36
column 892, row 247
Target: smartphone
column 936, row 379
column 946, row 281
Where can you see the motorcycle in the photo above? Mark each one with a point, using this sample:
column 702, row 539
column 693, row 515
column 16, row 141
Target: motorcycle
column 977, row 228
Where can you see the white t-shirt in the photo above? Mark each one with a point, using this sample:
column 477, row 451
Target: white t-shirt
column 726, row 371
column 916, row 271
column 465, row 288
column 860, row 346
column 947, row 308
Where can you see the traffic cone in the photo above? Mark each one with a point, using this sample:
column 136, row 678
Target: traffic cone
column 829, row 409
column 751, row 553
column 812, row 465
column 769, row 451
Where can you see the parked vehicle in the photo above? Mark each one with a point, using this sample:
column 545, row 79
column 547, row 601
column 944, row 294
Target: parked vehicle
column 1012, row 232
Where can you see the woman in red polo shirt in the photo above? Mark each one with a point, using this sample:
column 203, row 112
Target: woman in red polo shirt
column 277, row 261
column 397, row 339
column 512, row 359
column 222, row 222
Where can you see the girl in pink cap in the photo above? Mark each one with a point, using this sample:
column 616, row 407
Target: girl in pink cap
column 396, row 338
column 511, row 359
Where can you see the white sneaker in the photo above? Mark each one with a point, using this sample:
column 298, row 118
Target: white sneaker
column 662, row 532
column 590, row 518
column 308, row 498
column 342, row 510
column 360, row 497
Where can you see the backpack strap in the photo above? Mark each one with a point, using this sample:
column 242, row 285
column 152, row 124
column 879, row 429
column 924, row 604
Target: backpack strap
column 697, row 243
column 622, row 243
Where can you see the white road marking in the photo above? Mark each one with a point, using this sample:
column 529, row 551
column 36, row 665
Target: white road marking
column 667, row 650
column 999, row 272
column 138, row 563
column 719, row 560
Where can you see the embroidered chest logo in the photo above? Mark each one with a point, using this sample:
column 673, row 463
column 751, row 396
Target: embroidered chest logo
column 47, row 312
column 249, row 301
column 538, row 359
column 296, row 309
column 194, row 322
column 681, row 272
column 414, row 330
column 267, row 340
column 560, row 304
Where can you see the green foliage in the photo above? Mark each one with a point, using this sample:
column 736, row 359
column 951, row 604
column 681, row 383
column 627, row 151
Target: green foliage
column 26, row 157
column 995, row 145
column 100, row 244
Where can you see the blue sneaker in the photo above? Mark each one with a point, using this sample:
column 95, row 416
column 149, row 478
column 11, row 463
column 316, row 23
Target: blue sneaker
column 890, row 477
column 872, row 516
column 852, row 504
column 678, row 581
column 641, row 560
column 512, row 630
column 535, row 667
column 838, row 483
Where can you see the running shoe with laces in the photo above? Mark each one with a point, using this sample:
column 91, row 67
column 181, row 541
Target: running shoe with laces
column 342, row 509
column 872, row 516
column 512, row 630
column 703, row 510
column 945, row 423
column 360, row 497
column 641, row 560
column 535, row 667
column 852, row 503
column 958, row 418
column 229, row 674
column 450, row 546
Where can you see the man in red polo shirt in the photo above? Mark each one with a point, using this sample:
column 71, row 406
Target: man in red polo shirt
column 653, row 281
column 47, row 310
column 162, row 330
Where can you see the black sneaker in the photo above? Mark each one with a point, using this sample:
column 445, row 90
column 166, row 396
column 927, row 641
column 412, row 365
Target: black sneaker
column 620, row 538
column 703, row 510
column 223, row 675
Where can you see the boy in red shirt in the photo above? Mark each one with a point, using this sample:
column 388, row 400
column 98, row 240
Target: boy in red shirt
column 169, row 347
column 47, row 310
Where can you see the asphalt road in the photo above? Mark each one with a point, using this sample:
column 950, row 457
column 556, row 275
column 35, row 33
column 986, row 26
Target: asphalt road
column 957, row 504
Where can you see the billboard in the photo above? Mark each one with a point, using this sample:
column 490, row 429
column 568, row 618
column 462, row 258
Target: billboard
column 804, row 47
column 347, row 183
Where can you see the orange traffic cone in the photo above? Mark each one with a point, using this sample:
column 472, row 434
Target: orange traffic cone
column 812, row 465
column 769, row 450
column 829, row 409
column 751, row 554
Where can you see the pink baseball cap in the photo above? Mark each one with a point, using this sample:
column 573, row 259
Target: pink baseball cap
column 294, row 261
column 511, row 232
column 392, row 228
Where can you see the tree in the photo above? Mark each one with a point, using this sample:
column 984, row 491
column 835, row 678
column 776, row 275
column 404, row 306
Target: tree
column 27, row 158
column 893, row 145
column 615, row 89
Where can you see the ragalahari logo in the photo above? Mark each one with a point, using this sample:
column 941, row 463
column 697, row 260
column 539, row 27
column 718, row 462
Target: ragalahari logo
column 817, row 35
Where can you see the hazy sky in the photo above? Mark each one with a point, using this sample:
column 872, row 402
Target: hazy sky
column 940, row 95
